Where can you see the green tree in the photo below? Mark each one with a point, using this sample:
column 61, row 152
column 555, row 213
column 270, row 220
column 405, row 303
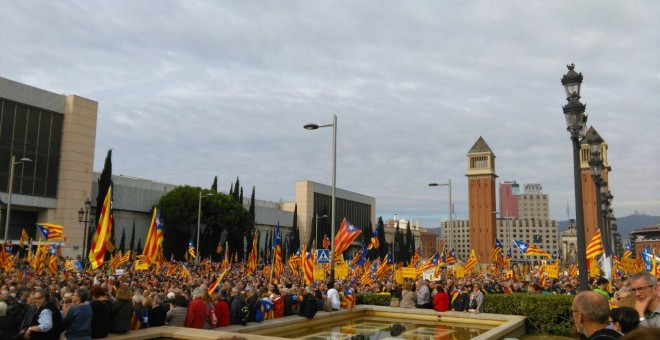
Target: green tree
column 251, row 208
column 237, row 189
column 122, row 243
column 219, row 212
column 214, row 186
column 240, row 197
column 132, row 243
column 382, row 250
column 295, row 233
column 410, row 242
column 104, row 182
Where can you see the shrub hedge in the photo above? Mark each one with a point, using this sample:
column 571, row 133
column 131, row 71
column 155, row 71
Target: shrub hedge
column 547, row 314
column 373, row 299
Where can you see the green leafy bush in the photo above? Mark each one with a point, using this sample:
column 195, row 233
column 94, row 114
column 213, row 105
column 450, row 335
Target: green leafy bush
column 548, row 314
column 373, row 299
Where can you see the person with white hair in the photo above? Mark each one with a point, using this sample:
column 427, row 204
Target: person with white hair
column 196, row 309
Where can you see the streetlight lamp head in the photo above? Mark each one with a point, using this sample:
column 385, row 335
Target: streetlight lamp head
column 572, row 82
column 576, row 119
column 25, row 160
column 311, row 126
column 81, row 213
column 595, row 141
column 433, row 184
column 88, row 203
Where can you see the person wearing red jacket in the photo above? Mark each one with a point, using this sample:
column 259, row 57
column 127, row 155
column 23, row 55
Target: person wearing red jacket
column 278, row 303
column 196, row 310
column 221, row 310
column 441, row 299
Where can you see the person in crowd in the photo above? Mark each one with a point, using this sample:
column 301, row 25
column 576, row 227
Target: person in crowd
column 78, row 317
column 644, row 287
column 423, row 294
column 333, row 296
column 253, row 303
column 408, row 297
column 278, row 303
column 286, row 299
column 47, row 320
column 441, row 299
column 140, row 310
column 101, row 313
column 158, row 312
column 591, row 314
column 236, row 315
column 624, row 319
column 308, row 304
column 221, row 310
column 196, row 310
column 476, row 299
column 178, row 312
column 122, row 311
column 460, row 299
column 601, row 287
column 623, row 298
column 5, row 328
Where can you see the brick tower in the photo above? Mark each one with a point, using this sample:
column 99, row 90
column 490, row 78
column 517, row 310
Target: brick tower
column 481, row 199
column 589, row 187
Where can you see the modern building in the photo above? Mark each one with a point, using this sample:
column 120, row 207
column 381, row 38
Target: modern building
column 459, row 238
column 481, row 197
column 533, row 204
column 56, row 135
column 509, row 194
column 541, row 233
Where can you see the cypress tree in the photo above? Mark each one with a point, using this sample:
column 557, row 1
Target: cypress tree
column 295, row 236
column 240, row 197
column 382, row 250
column 410, row 241
column 122, row 243
column 237, row 188
column 104, row 182
column 251, row 208
column 231, row 189
column 214, row 186
column 132, row 244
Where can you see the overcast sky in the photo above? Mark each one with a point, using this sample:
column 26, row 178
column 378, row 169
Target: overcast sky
column 188, row 90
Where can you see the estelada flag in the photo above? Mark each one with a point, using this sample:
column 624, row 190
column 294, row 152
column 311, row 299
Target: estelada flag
column 102, row 234
column 345, row 236
column 154, row 243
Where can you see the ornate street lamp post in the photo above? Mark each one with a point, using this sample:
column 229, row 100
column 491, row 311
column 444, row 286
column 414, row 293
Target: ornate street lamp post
column 83, row 217
column 596, row 167
column 576, row 121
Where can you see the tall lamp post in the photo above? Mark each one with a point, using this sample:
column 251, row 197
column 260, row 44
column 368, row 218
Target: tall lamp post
column 450, row 234
column 199, row 223
column 596, row 167
column 11, row 187
column 312, row 126
column 576, row 121
column 83, row 217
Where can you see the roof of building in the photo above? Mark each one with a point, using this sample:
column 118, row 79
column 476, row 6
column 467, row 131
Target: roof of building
column 480, row 146
column 588, row 135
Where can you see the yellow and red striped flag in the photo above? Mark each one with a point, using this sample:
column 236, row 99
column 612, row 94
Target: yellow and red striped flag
column 595, row 247
column 153, row 246
column 24, row 237
column 345, row 236
column 252, row 257
column 102, row 234
column 472, row 261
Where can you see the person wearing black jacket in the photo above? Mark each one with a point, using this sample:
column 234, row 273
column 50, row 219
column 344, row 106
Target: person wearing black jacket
column 288, row 304
column 101, row 313
column 236, row 316
column 308, row 304
column 46, row 322
column 254, row 303
column 157, row 313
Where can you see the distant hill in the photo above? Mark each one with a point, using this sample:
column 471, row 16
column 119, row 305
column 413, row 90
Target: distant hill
column 627, row 224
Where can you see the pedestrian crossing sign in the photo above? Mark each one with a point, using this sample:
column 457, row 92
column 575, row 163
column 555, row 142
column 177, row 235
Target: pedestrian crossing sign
column 322, row 256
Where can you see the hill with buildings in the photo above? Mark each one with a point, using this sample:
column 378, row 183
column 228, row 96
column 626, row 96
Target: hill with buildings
column 628, row 223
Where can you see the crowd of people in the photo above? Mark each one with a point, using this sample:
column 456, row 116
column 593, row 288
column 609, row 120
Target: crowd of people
column 93, row 304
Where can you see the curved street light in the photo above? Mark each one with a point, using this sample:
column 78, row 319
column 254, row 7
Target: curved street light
column 312, row 126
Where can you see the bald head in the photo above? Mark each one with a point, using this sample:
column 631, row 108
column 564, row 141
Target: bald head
column 593, row 306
